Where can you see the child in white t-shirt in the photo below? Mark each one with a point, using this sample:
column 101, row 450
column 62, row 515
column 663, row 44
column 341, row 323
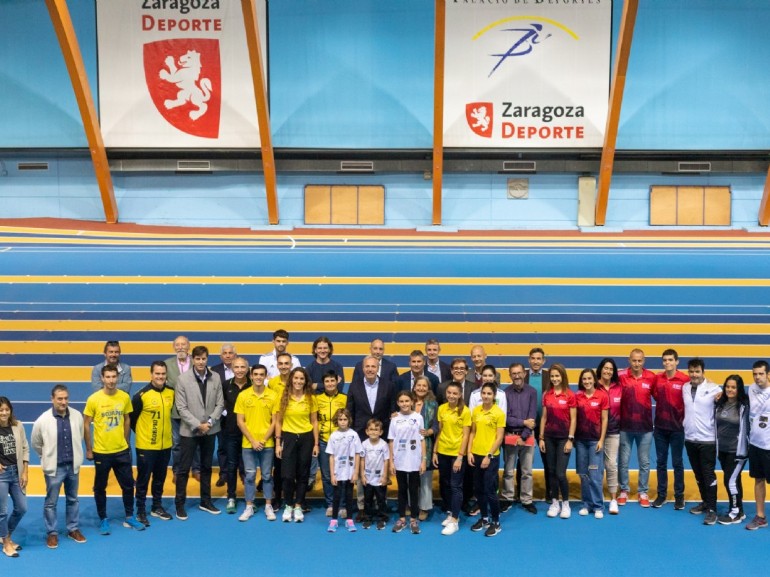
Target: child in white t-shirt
column 344, row 450
column 374, row 475
column 408, row 459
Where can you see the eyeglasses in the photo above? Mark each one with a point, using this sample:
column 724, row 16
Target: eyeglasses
column 459, row 370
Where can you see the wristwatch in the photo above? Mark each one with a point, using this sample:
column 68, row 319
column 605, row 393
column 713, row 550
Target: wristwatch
column 489, row 455
column 571, row 437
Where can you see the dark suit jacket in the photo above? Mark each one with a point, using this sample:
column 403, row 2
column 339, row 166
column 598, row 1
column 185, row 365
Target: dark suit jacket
column 220, row 370
column 388, row 371
column 444, row 369
column 361, row 412
column 469, row 387
column 404, row 382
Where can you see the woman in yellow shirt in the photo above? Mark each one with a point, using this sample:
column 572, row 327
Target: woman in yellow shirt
column 296, row 436
column 487, row 427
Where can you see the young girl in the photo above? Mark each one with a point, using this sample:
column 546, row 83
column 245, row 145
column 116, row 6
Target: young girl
column 408, row 458
column 296, row 435
column 344, row 450
column 14, row 461
column 732, row 420
column 454, row 426
column 486, row 436
column 374, row 475
column 557, row 433
column 425, row 404
column 593, row 404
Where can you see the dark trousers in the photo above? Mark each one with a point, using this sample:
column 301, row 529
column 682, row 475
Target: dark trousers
column 558, row 461
column 295, row 469
column 703, row 457
column 732, row 467
column 120, row 464
column 234, row 451
column 376, row 493
column 485, row 483
column 188, row 446
column 343, row 490
column 450, row 484
column 150, row 463
column 408, row 491
column 665, row 441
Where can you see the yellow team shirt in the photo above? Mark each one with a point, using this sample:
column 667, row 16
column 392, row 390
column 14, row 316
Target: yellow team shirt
column 152, row 429
column 327, row 407
column 452, row 425
column 487, row 423
column 109, row 413
column 277, row 385
column 257, row 411
column 296, row 418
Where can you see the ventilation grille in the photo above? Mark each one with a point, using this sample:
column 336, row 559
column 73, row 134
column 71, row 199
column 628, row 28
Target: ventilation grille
column 356, row 166
column 26, row 166
column 519, row 166
column 694, row 167
column 193, row 165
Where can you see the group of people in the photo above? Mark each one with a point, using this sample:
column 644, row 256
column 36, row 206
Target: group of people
column 288, row 421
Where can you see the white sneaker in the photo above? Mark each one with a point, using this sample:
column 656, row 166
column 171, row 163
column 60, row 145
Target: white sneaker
column 614, row 507
column 450, row 529
column 299, row 516
column 554, row 509
column 287, row 511
column 598, row 514
column 446, row 521
column 247, row 514
column 565, row 510
column 269, row 513
column 583, row 512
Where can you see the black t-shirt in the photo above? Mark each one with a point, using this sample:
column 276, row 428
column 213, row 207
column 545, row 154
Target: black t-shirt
column 7, row 447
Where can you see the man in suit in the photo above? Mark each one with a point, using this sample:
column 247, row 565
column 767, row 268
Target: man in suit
column 225, row 371
column 373, row 397
column 416, row 369
column 386, row 368
column 433, row 364
column 175, row 366
column 459, row 376
column 200, row 402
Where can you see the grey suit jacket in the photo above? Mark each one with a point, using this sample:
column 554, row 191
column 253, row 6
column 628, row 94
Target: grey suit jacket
column 192, row 409
column 172, row 378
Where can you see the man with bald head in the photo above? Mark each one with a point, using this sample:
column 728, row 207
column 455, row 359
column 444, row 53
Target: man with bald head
column 385, row 367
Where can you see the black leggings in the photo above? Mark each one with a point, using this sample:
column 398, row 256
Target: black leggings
column 732, row 467
column 408, row 489
column 295, row 467
column 557, row 468
column 342, row 489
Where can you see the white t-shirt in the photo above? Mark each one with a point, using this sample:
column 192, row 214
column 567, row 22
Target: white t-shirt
column 500, row 400
column 374, row 462
column 407, row 441
column 759, row 416
column 344, row 446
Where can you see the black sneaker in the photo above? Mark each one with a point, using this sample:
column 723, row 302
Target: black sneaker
column 181, row 514
column 475, row 510
column 492, row 530
column 699, row 509
column 480, row 525
column 711, row 517
column 160, row 513
column 659, row 501
column 505, row 506
column 530, row 508
column 209, row 507
column 729, row 519
column 381, row 524
column 366, row 524
column 142, row 518
column 221, row 481
column 679, row 503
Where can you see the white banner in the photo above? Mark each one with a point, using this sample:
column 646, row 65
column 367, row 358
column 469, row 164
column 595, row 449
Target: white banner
column 527, row 73
column 176, row 74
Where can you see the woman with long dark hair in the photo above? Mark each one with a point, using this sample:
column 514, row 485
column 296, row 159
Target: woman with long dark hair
column 14, row 462
column 732, row 421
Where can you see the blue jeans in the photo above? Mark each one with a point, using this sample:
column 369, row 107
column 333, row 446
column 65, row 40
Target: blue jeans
column 65, row 475
column 326, row 474
column 675, row 441
column 643, row 443
column 590, row 467
column 264, row 460
column 9, row 485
